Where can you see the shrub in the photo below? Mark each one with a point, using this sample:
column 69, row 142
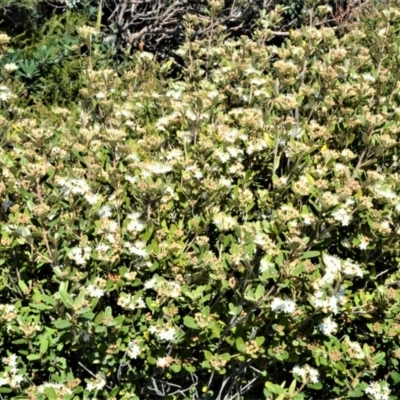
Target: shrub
column 231, row 233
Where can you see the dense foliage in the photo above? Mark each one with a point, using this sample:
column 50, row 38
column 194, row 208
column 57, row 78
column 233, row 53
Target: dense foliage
column 227, row 234
column 158, row 26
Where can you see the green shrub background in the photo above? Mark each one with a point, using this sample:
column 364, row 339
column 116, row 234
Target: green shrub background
column 227, row 228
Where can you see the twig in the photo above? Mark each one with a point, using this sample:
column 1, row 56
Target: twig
column 91, row 373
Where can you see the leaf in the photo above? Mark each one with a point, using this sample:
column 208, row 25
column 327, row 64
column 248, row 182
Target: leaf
column 316, row 386
column 23, row 287
column 260, row 291
column 310, row 254
column 66, row 299
column 355, row 393
column 190, row 322
column 42, row 307
column 50, row 393
column 395, row 376
column 80, row 299
column 240, row 344
column 44, row 345
column 292, row 388
column 62, row 324
column 83, row 310
column 32, row 357
column 298, row 270
column 176, row 367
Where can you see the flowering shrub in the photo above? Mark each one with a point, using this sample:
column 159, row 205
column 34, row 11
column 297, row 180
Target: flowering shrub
column 231, row 234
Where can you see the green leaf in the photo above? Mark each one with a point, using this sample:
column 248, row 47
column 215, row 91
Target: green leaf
column 298, row 270
column 44, row 345
column 292, row 387
column 32, row 357
column 42, row 307
column 176, row 367
column 62, row 324
column 395, row 376
column 355, row 393
column 316, row 386
column 260, row 291
column 23, row 287
column 310, row 254
column 49, row 300
column 50, row 393
column 66, row 299
column 82, row 310
column 240, row 345
column 80, row 299
column 190, row 322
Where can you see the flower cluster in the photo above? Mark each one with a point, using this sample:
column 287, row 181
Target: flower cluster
column 306, row 373
column 378, row 390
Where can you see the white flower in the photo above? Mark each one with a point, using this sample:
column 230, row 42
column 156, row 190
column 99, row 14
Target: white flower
column 5, row 93
column 306, row 372
column 234, row 152
column 224, row 222
column 224, row 157
column 328, row 326
column 133, row 349
column 80, row 256
column 357, row 351
column 329, row 304
column 102, row 248
column 385, row 225
column 167, row 334
column 213, row 94
column 135, row 226
column 342, row 216
column 162, row 362
column 92, row 198
column 10, row 67
column 173, row 154
column 363, row 245
column 299, row 371
column 174, row 289
column 286, row 306
column 368, row 77
column 131, row 179
column 313, row 375
column 139, row 248
column 95, row 291
column 225, row 182
column 100, row 384
column 145, row 55
column 332, row 263
column 378, row 390
column 307, row 220
column 169, row 190
column 191, row 115
column 153, row 329
column 156, row 168
column 351, row 268
column 265, row 265
column 105, row 211
column 12, row 360
column 150, row 284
